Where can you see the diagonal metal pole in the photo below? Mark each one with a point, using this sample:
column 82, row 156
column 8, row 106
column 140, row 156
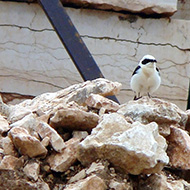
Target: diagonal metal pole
column 72, row 41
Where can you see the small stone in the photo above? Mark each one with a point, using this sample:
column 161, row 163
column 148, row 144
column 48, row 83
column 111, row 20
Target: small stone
column 74, row 119
column 11, row 163
column 97, row 168
column 8, row 146
column 61, row 162
column 45, row 130
column 116, row 185
column 45, row 141
column 160, row 182
column 90, row 183
column 179, row 148
column 32, row 170
column 81, row 135
column 97, row 101
column 4, row 125
column 80, row 175
column 26, row 144
column 29, row 123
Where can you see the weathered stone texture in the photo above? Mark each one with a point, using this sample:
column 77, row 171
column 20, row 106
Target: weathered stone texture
column 133, row 148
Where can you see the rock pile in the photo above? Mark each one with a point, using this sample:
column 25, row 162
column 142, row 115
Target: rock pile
column 77, row 139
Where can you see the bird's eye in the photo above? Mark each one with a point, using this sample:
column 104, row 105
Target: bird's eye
column 145, row 61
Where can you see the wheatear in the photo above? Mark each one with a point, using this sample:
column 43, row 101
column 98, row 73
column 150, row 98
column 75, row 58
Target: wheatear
column 146, row 77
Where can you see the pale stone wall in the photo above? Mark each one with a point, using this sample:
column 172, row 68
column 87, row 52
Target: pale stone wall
column 33, row 60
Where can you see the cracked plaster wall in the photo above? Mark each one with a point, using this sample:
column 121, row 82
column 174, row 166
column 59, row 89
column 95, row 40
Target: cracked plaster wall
column 33, row 60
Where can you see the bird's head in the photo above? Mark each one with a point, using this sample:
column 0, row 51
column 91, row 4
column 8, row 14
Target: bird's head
column 148, row 61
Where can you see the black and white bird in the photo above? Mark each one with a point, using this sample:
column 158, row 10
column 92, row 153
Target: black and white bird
column 146, row 77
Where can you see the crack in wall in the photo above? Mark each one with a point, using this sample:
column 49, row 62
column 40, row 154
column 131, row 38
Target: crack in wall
column 136, row 42
column 26, row 27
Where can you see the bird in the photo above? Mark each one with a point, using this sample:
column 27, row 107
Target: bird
column 146, row 77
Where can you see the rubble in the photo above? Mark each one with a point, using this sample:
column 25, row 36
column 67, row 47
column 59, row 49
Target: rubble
column 26, row 144
column 146, row 110
column 78, row 139
column 134, row 148
column 179, row 148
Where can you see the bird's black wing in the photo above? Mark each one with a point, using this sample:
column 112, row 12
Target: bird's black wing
column 136, row 70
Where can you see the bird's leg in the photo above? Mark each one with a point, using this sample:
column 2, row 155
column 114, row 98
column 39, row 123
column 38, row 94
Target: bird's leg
column 149, row 95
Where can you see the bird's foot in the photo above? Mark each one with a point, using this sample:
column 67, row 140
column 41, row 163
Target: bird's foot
column 135, row 98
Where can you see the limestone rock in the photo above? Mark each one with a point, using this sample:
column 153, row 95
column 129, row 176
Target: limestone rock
column 143, row 6
column 99, row 102
column 119, row 185
column 90, row 183
column 60, row 162
column 44, row 130
column 10, row 163
column 32, row 170
column 27, row 144
column 13, row 180
column 98, row 168
column 179, row 148
column 4, row 126
column 146, row 110
column 134, row 148
column 78, row 93
column 29, row 122
column 160, row 182
column 8, row 146
column 74, row 119
column 80, row 175
column 81, row 135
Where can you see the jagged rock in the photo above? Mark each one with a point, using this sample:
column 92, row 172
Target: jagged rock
column 99, row 102
column 119, row 185
column 134, row 148
column 45, row 141
column 44, row 130
column 144, row 6
column 80, row 175
column 179, row 148
column 26, row 144
column 60, row 162
column 81, row 135
column 4, row 125
column 160, row 182
column 146, row 110
column 98, row 168
column 14, row 180
column 29, row 122
column 32, row 170
column 8, row 147
column 45, row 103
column 90, row 183
column 78, row 93
column 11, row 163
column 74, row 119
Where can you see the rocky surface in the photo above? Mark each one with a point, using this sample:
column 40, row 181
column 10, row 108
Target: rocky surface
column 141, row 144
column 143, row 6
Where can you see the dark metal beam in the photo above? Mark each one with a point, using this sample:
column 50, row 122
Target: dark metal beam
column 72, row 41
